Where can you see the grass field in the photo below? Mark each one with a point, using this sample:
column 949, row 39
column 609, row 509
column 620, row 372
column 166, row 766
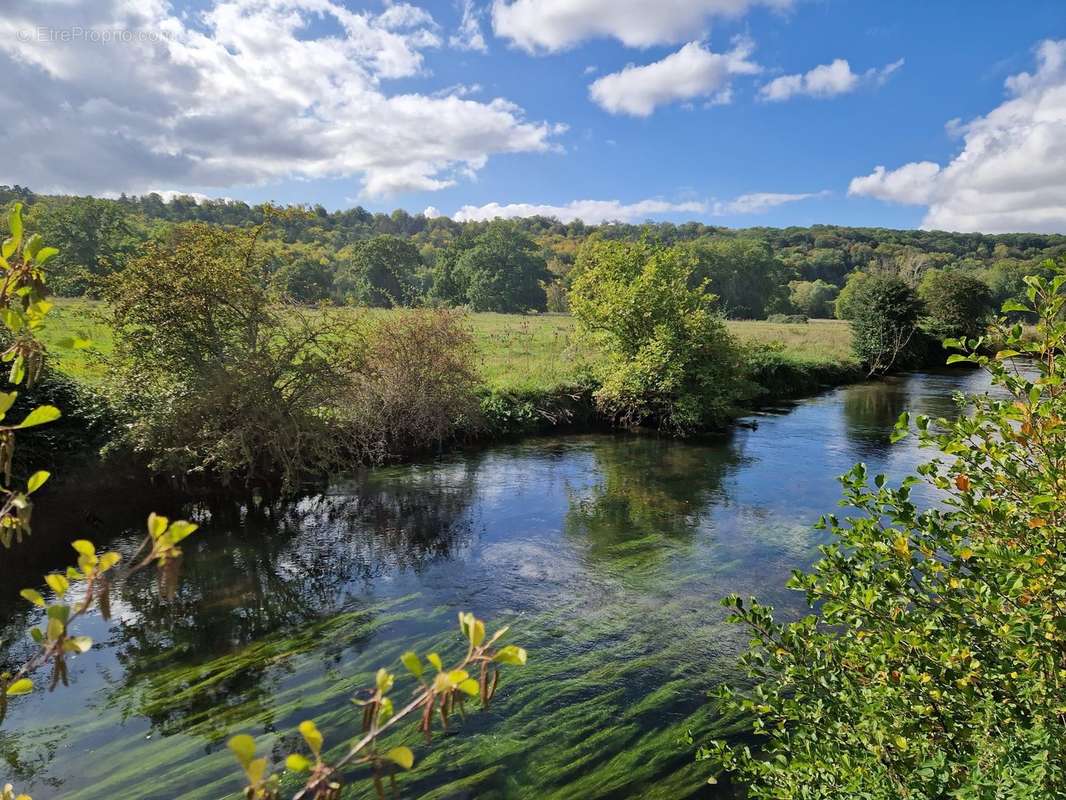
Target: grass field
column 517, row 352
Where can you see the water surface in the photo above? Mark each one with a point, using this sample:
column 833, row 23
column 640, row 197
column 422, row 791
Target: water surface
column 607, row 554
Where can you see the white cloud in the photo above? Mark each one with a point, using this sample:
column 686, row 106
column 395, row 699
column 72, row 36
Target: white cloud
column 758, row 202
column 693, row 71
column 912, row 183
column 469, row 36
column 826, row 80
column 246, row 92
column 548, row 25
column 1011, row 172
column 431, row 212
column 590, row 211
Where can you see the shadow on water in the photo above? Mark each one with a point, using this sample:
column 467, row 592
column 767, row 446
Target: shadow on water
column 606, row 553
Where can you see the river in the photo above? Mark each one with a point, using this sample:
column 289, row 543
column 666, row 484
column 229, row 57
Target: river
column 606, row 554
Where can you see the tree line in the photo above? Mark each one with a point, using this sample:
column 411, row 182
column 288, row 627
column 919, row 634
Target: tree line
column 358, row 257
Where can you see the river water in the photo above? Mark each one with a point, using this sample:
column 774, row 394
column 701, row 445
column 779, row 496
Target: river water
column 606, row 554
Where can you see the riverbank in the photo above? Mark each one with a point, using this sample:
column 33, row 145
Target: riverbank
column 535, row 372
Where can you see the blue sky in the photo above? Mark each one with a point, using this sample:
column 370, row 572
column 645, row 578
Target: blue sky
column 397, row 105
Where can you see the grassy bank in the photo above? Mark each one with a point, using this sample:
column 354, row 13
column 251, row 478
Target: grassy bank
column 518, row 354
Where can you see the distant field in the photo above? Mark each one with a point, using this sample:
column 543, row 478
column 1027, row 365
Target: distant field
column 517, row 352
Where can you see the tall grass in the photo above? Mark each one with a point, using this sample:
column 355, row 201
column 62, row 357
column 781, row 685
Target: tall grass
column 515, row 352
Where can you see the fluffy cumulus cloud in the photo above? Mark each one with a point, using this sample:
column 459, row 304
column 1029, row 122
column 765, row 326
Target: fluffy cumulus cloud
column 825, row 80
column 244, row 92
column 691, row 72
column 1011, row 172
column 758, row 202
column 549, row 25
column 590, row 211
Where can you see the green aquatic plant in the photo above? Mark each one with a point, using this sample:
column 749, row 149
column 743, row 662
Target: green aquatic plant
column 23, row 308
column 935, row 665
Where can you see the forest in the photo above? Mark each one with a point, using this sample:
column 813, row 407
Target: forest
column 357, row 257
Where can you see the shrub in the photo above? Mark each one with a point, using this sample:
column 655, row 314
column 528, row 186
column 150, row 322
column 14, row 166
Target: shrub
column 935, row 666
column 884, row 323
column 214, row 380
column 670, row 360
column 957, row 305
column 416, row 386
column 788, row 319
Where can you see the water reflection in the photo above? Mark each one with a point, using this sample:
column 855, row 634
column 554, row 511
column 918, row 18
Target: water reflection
column 607, row 553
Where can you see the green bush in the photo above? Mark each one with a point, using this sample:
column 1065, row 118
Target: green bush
column 934, row 666
column 670, row 360
column 957, row 305
column 884, row 324
column 212, row 379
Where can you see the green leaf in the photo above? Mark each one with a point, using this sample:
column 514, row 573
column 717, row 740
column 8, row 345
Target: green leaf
column 7, row 399
column 180, row 529
column 402, row 756
column 470, row 687
column 434, row 659
column 413, row 663
column 37, row 480
column 33, row 245
column 511, row 655
column 21, row 686
column 243, row 746
column 1014, row 305
column 45, row 254
column 312, row 736
column 40, row 416
column 383, row 680
column 956, row 358
column 33, row 596
column 157, row 525
column 14, row 221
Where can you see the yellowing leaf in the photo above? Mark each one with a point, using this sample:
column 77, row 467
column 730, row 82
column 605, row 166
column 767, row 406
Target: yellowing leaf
column 58, row 583
column 21, row 686
column 402, row 756
column 37, row 480
column 312, row 736
column 297, row 763
column 243, row 746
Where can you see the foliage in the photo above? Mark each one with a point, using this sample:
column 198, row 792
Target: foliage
column 934, row 668
column 383, row 272
column 212, row 377
column 23, row 308
column 670, row 360
column 94, row 238
column 884, row 323
column 503, row 271
column 439, row 693
column 416, row 384
column 813, row 298
column 742, row 272
column 846, row 305
column 957, row 305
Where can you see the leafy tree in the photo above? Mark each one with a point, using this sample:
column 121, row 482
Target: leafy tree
column 885, row 323
column 503, row 271
column 383, row 272
column 846, row 306
column 307, row 277
column 934, row 667
column 957, row 305
column 670, row 359
column 94, row 239
column 742, row 272
column 212, row 379
column 813, row 299
column 86, row 587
